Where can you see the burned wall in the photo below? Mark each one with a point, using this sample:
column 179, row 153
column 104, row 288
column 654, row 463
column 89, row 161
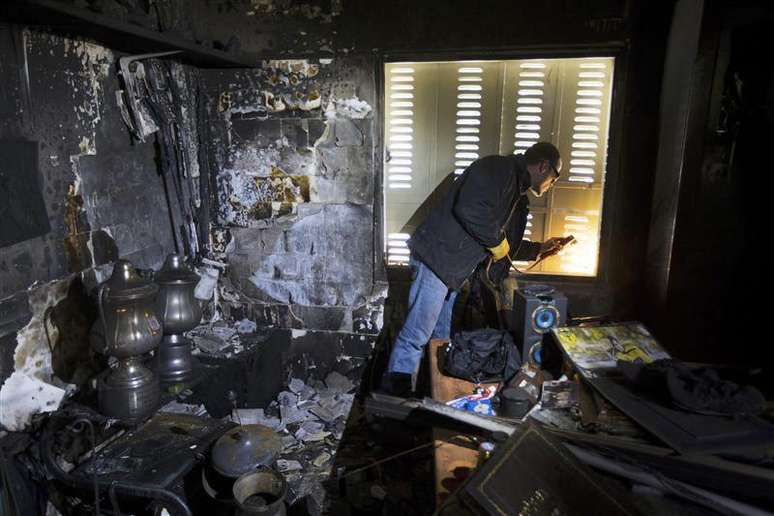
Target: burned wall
column 100, row 191
column 717, row 105
column 405, row 30
column 293, row 144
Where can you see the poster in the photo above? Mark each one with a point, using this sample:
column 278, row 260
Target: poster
column 599, row 347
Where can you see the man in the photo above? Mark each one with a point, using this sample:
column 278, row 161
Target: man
column 485, row 206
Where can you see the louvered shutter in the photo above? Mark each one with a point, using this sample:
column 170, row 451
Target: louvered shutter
column 576, row 200
column 440, row 117
column 529, row 106
column 399, row 167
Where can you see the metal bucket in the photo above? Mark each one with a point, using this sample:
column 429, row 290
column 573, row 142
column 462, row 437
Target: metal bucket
column 261, row 492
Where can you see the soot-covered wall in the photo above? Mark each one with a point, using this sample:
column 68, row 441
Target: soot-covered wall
column 359, row 37
column 716, row 120
column 101, row 195
column 300, row 209
column 293, row 143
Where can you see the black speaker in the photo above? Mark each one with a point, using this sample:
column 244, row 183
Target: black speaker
column 536, row 310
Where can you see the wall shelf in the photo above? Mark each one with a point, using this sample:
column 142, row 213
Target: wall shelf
column 118, row 35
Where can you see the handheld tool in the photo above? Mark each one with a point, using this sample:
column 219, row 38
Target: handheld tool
column 563, row 242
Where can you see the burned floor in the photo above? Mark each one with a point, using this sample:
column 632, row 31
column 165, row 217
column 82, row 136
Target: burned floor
column 210, row 283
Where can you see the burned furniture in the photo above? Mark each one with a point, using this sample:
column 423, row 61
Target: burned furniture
column 597, row 428
column 124, row 467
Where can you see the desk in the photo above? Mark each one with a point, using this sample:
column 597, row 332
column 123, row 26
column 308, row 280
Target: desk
column 452, row 461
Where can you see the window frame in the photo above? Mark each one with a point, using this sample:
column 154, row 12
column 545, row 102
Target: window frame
column 610, row 206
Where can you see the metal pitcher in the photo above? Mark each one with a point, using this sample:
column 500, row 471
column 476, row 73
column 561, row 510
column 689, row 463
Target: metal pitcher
column 128, row 317
column 180, row 311
column 129, row 328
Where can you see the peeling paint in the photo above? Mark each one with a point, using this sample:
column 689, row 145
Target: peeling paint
column 248, row 197
column 299, row 66
column 276, row 8
column 299, row 264
column 32, row 389
column 182, row 77
column 73, row 207
column 348, row 108
column 304, row 101
column 254, row 187
column 23, row 396
column 95, row 63
column 69, row 80
column 86, row 146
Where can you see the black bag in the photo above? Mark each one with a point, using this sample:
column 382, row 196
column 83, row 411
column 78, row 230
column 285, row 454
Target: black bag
column 482, row 356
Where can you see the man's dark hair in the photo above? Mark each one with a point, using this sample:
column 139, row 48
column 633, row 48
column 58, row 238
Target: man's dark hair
column 542, row 151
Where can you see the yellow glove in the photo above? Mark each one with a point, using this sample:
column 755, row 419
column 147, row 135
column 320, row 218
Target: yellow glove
column 501, row 251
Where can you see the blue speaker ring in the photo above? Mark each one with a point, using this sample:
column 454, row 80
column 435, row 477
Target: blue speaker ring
column 535, row 355
column 544, row 318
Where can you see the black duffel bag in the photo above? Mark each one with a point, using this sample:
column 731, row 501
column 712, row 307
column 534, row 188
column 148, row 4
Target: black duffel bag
column 482, row 356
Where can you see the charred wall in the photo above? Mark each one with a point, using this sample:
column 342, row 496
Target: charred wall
column 293, row 145
column 371, row 33
column 717, row 117
column 100, row 193
column 358, row 37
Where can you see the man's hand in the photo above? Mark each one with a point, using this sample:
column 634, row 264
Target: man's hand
column 501, row 250
column 551, row 245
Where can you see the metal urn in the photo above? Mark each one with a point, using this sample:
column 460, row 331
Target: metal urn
column 129, row 328
column 179, row 311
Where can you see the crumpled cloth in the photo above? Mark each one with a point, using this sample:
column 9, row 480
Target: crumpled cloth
column 698, row 390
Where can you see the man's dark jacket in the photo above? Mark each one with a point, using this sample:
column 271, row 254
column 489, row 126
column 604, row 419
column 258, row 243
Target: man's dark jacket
column 485, row 203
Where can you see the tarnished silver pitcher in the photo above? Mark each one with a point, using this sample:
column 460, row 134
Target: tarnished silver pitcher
column 127, row 328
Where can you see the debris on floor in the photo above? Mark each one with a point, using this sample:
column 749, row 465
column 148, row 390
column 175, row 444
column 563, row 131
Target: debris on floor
column 247, row 416
column 213, row 338
column 222, row 337
column 310, row 418
column 245, row 326
column 176, row 407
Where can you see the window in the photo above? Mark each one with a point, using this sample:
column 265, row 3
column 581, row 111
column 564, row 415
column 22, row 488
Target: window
column 442, row 116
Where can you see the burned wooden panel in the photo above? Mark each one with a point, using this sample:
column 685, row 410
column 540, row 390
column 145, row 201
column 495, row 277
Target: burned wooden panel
column 22, row 211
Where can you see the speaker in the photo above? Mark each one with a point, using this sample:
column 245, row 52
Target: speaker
column 536, row 310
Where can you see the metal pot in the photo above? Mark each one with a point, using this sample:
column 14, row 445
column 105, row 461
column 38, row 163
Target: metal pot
column 514, row 403
column 130, row 392
column 127, row 314
column 261, row 492
column 245, row 448
column 174, row 361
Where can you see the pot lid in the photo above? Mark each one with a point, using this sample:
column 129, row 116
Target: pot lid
column 245, row 448
column 126, row 284
column 176, row 271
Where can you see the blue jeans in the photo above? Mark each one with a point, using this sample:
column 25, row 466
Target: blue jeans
column 430, row 313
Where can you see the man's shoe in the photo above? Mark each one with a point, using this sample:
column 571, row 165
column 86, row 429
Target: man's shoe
column 397, row 384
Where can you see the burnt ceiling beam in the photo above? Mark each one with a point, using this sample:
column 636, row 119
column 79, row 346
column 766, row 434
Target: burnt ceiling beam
column 116, row 34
